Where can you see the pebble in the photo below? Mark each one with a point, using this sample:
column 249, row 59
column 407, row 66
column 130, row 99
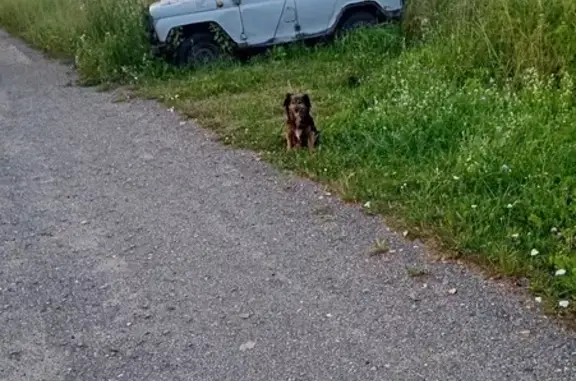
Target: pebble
column 247, row 345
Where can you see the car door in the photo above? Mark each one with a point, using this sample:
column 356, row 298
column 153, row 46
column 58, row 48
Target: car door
column 314, row 16
column 261, row 19
column 287, row 27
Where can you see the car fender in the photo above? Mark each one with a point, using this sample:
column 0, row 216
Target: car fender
column 228, row 19
column 341, row 6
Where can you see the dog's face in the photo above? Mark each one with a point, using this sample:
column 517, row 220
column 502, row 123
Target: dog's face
column 297, row 107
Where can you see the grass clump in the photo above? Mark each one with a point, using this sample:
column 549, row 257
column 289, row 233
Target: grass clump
column 462, row 124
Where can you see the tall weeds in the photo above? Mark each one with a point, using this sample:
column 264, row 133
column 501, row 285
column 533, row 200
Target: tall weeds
column 502, row 37
column 113, row 45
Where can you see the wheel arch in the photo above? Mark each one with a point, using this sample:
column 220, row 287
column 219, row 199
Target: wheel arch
column 367, row 6
column 168, row 27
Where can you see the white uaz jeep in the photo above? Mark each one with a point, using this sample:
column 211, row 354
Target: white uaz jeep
column 254, row 23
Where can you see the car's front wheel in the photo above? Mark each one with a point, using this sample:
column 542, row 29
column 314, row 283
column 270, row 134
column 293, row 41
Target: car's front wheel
column 358, row 19
column 198, row 49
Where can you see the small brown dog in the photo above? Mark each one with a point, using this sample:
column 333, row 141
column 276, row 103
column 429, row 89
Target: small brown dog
column 300, row 128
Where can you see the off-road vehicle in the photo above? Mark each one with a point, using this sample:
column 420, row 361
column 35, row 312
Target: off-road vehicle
column 189, row 30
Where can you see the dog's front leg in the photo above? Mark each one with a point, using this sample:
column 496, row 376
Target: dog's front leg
column 289, row 139
column 298, row 138
column 311, row 141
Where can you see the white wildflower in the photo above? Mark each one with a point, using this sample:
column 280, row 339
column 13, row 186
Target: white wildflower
column 538, row 299
column 564, row 303
column 474, row 206
column 456, row 177
column 560, row 272
column 534, row 252
column 515, row 235
column 509, row 206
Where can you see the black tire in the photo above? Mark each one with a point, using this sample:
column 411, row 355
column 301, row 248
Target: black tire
column 356, row 20
column 197, row 49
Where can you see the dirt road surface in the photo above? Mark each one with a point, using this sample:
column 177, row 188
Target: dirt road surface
column 136, row 248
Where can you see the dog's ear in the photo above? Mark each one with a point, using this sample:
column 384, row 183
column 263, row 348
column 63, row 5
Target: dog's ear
column 306, row 100
column 287, row 99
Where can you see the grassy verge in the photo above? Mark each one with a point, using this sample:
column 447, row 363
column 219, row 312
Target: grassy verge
column 467, row 137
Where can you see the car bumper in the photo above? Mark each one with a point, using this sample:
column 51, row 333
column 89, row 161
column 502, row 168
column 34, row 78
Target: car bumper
column 157, row 48
column 396, row 15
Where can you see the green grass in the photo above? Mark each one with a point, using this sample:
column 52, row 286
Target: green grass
column 461, row 125
column 501, row 38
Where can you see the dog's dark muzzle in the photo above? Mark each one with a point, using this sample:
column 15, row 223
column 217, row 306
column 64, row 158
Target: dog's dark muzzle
column 301, row 113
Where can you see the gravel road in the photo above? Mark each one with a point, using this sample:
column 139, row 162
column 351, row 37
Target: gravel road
column 136, row 248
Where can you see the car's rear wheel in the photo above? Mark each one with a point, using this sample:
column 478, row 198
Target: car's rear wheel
column 358, row 19
column 198, row 49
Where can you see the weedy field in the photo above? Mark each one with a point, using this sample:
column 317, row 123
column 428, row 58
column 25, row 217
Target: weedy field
column 460, row 123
